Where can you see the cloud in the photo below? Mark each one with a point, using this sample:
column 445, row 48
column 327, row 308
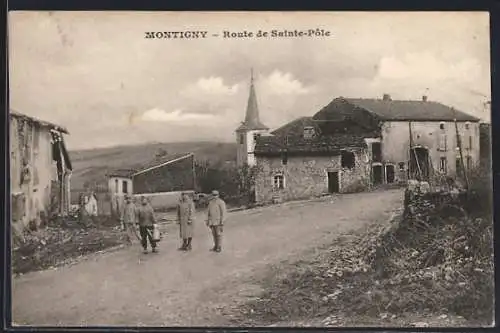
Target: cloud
column 427, row 67
column 210, row 86
column 280, row 83
column 174, row 116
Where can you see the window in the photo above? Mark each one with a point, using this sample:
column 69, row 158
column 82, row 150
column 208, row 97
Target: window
column 256, row 136
column 124, row 186
column 470, row 142
column 443, row 165
column 348, row 159
column 441, row 126
column 284, row 158
column 376, row 152
column 278, row 182
column 443, row 139
column 308, row 132
column 458, row 165
column 242, row 139
column 469, row 162
column 401, row 166
column 116, row 186
column 467, row 125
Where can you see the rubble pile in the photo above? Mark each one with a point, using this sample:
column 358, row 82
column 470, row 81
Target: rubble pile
column 52, row 245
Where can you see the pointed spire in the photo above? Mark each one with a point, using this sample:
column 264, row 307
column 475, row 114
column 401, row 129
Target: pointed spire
column 252, row 121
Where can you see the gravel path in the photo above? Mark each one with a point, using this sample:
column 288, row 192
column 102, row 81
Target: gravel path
column 171, row 288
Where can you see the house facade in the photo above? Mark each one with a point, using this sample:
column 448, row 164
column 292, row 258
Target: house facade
column 161, row 181
column 40, row 170
column 354, row 144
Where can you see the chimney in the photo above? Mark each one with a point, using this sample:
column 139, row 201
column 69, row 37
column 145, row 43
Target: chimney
column 386, row 97
column 424, row 98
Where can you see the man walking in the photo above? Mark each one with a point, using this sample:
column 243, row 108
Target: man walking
column 185, row 216
column 216, row 218
column 128, row 218
column 146, row 225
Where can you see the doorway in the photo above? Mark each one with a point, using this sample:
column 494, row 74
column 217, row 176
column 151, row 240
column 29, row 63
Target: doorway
column 377, row 174
column 333, row 182
column 390, row 173
column 419, row 167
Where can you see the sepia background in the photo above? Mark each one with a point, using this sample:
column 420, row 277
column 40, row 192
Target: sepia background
column 323, row 228
column 93, row 79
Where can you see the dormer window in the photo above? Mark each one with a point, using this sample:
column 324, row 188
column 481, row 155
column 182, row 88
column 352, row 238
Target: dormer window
column 308, row 132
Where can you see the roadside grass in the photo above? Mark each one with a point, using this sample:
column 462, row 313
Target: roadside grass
column 431, row 266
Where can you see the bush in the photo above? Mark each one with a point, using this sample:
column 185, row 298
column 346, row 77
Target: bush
column 235, row 185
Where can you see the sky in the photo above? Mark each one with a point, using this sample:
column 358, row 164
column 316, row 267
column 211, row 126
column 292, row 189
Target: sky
column 96, row 74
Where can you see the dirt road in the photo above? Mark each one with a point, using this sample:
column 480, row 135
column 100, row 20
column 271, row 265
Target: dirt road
column 173, row 288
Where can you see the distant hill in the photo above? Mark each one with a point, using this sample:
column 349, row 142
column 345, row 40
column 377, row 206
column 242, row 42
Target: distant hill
column 92, row 165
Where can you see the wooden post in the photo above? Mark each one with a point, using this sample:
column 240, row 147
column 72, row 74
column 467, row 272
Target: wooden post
column 194, row 174
column 459, row 144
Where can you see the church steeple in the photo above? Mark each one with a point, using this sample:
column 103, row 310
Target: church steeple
column 252, row 120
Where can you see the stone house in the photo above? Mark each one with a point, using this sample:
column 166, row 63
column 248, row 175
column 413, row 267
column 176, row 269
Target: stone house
column 352, row 144
column 40, row 170
column 161, row 181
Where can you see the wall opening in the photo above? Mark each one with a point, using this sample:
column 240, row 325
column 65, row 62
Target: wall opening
column 348, row 159
column 333, row 182
column 469, row 163
column 458, row 166
column 377, row 174
column 377, row 152
column 443, row 167
column 390, row 173
column 419, row 167
column 308, row 132
column 278, row 182
column 443, row 139
column 284, row 158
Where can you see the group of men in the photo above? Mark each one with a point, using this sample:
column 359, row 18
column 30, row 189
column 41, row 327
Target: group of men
column 143, row 216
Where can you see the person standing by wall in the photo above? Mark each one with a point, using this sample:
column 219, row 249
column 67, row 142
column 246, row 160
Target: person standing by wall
column 128, row 219
column 216, row 218
column 147, row 223
column 185, row 215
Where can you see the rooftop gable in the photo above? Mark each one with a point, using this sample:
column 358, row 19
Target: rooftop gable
column 40, row 122
column 408, row 110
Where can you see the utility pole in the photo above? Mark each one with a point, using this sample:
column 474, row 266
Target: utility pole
column 459, row 144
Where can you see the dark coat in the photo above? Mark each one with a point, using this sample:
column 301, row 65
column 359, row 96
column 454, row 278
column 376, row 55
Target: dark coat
column 185, row 215
column 146, row 216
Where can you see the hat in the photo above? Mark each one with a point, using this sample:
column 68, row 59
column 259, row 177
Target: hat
column 215, row 192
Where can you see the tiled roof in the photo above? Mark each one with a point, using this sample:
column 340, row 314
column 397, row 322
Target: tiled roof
column 153, row 163
column 272, row 145
column 295, row 127
column 125, row 173
column 403, row 110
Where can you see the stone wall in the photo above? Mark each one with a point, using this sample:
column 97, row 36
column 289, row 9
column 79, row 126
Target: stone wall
column 307, row 176
column 31, row 171
column 172, row 177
